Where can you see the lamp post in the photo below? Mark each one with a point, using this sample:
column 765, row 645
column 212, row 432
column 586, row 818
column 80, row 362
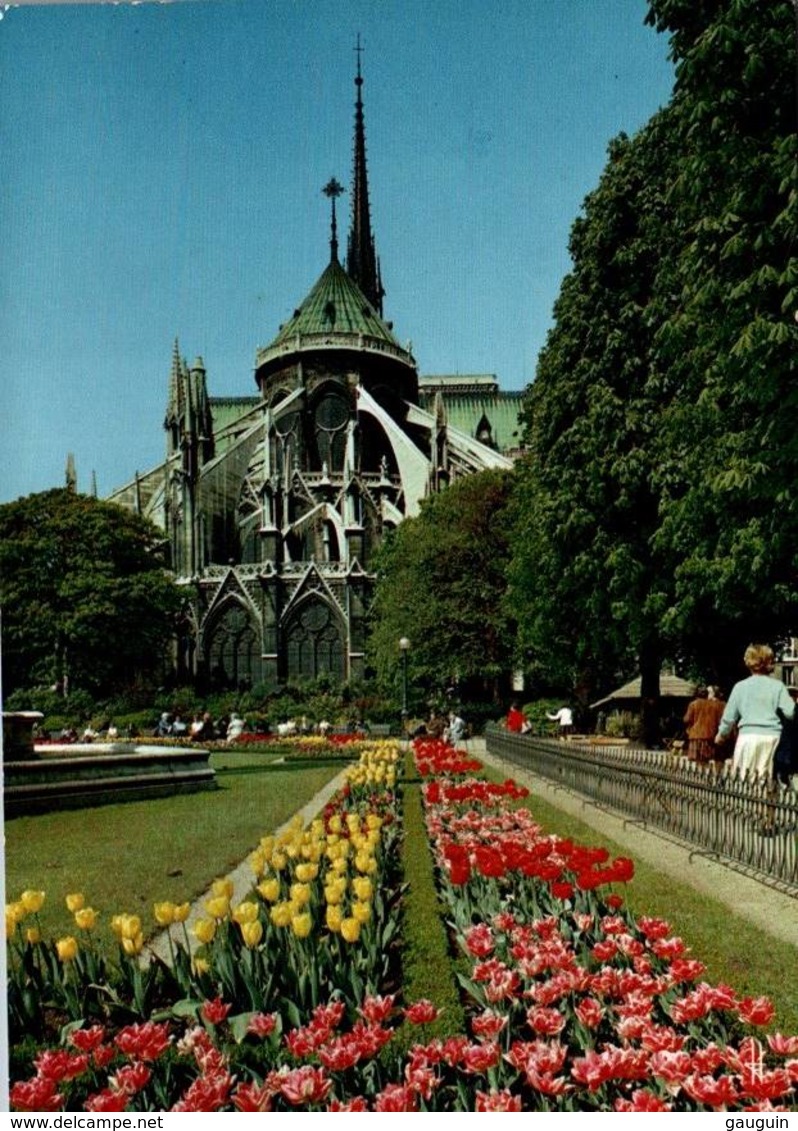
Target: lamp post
column 404, row 647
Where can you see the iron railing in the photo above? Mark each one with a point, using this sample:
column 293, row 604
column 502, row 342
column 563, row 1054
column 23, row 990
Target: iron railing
column 750, row 822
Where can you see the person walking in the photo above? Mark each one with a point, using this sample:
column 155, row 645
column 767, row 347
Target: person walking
column 516, row 721
column 753, row 707
column 701, row 721
column 565, row 717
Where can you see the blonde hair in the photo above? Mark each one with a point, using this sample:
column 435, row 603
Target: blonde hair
column 759, row 659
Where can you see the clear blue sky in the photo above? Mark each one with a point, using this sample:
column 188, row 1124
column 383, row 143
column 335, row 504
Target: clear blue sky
column 162, row 175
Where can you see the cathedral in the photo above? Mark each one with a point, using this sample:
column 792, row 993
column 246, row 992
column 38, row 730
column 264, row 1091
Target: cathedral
column 274, row 504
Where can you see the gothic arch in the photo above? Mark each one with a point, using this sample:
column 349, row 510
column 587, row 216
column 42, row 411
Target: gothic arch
column 232, row 647
column 315, row 640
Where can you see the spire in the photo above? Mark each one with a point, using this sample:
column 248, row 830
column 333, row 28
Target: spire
column 332, row 190
column 361, row 257
column 174, row 403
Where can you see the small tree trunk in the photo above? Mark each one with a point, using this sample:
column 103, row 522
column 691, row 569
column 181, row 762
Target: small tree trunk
column 650, row 665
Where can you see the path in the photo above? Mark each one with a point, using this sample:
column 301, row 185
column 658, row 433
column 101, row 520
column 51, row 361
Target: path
column 242, row 877
column 768, row 908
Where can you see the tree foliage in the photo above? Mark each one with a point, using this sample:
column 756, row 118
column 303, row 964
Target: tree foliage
column 723, row 356
column 585, row 574
column 84, row 592
column 656, row 514
column 440, row 582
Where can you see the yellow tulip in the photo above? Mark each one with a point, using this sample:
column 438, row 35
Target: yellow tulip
column 217, row 906
column 246, row 912
column 75, row 901
column 252, row 933
column 134, row 945
column 279, row 861
column 365, row 863
column 340, row 866
column 164, row 913
column 130, row 927
column 306, row 873
column 66, row 948
column 182, row 912
column 33, row 935
column 363, row 888
column 223, row 887
column 350, row 929
column 334, row 823
column 15, row 913
column 281, row 914
column 373, row 821
column 86, row 918
column 301, row 925
column 334, row 917
column 200, row 965
column 32, row 901
column 269, row 889
column 361, row 911
column 300, row 894
column 334, row 891
column 205, row 929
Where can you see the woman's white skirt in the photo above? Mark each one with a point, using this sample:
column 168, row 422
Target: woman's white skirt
column 753, row 754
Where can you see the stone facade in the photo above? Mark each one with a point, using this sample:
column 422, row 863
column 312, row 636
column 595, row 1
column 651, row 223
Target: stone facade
column 274, row 505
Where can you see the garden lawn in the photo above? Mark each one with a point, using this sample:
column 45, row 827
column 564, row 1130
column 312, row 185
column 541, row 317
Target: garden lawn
column 125, row 857
column 733, row 949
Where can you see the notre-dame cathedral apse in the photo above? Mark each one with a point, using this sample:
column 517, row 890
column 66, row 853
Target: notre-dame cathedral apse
column 274, row 504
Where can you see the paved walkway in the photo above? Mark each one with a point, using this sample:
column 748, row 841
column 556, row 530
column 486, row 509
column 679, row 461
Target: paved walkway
column 242, row 877
column 770, row 910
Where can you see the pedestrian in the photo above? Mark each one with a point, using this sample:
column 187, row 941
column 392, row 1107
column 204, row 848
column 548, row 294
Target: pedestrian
column 565, row 717
column 753, row 707
column 235, row 728
column 456, row 730
column 164, row 726
column 785, row 759
column 516, row 721
column 206, row 732
column 701, row 721
column 435, row 726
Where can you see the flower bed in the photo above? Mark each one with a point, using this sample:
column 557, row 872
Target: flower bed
column 288, row 1004
column 576, row 1005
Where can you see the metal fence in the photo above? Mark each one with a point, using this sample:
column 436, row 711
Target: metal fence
column 750, row 822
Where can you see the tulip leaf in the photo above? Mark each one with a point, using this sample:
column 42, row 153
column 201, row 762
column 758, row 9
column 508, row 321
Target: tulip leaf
column 239, row 1025
column 186, row 1007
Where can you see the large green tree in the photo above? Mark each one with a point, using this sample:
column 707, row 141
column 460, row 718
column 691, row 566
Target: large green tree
column 441, row 581
column 586, row 579
column 84, row 593
column 723, row 358
column 656, row 515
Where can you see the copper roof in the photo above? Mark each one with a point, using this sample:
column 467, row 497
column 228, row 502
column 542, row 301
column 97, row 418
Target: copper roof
column 335, row 314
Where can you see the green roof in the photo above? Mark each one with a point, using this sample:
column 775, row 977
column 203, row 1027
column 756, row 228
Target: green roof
column 335, row 305
column 501, row 410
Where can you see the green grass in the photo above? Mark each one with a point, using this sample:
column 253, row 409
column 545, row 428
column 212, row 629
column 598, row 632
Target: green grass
column 733, row 949
column 124, row 857
column 427, row 970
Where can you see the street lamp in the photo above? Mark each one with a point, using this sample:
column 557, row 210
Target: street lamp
column 404, row 646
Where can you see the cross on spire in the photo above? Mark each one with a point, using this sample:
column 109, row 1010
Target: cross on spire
column 362, row 263
column 332, row 190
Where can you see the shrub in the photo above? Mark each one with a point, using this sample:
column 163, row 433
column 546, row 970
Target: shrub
column 624, row 724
